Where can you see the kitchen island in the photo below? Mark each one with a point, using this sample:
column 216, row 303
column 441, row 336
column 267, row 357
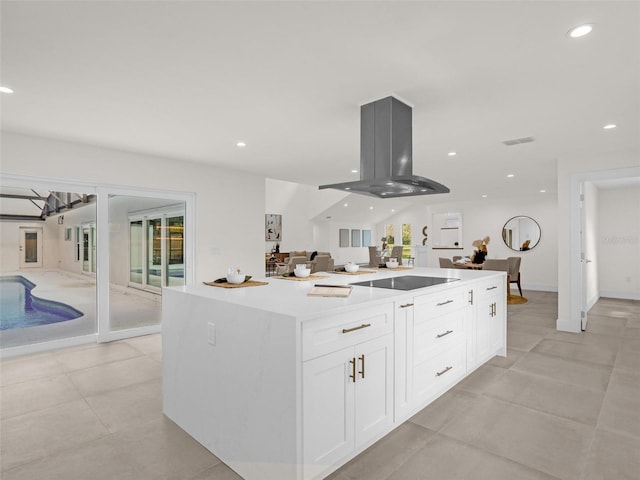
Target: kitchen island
column 280, row 385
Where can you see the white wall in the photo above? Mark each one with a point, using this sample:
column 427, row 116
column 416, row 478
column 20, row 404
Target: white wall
column 618, row 243
column 291, row 200
column 303, row 225
column 343, row 255
column 486, row 218
column 229, row 205
column 10, row 242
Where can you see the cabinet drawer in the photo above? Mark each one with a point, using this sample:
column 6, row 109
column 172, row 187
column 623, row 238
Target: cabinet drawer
column 438, row 373
column 432, row 337
column 493, row 286
column 441, row 303
column 325, row 335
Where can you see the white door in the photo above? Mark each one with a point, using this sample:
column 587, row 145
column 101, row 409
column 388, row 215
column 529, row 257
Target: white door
column 30, row 247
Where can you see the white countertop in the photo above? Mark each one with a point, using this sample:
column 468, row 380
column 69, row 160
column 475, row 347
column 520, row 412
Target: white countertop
column 289, row 297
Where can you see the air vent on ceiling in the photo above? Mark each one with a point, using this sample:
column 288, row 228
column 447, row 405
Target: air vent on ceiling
column 517, row 141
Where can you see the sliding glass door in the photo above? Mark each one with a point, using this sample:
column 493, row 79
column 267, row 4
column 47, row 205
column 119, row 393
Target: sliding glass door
column 146, row 252
column 156, row 251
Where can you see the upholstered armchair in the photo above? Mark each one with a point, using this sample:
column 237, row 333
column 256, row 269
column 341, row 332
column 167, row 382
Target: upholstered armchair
column 322, row 263
column 446, row 263
column 289, row 264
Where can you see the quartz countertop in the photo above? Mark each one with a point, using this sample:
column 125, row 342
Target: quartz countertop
column 288, row 297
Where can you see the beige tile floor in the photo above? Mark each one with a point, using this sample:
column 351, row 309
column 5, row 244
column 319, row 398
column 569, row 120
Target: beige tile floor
column 559, row 406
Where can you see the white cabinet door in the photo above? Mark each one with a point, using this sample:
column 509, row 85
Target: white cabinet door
column 403, row 364
column 490, row 299
column 484, row 320
column 328, row 410
column 373, row 389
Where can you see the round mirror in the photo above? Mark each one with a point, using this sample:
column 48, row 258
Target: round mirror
column 521, row 233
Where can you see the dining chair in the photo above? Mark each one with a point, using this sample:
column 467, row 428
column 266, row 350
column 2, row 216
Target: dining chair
column 396, row 252
column 446, row 263
column 514, row 271
column 500, row 264
column 374, row 257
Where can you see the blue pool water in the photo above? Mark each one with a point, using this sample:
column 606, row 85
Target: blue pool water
column 20, row 309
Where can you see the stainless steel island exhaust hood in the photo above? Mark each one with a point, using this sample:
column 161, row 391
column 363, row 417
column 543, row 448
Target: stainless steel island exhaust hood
column 386, row 154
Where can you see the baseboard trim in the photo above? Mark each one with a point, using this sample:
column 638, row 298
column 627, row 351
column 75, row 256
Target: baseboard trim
column 621, row 295
column 568, row 326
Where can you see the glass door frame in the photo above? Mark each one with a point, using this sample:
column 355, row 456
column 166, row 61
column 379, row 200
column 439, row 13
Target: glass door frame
column 105, row 334
column 102, row 191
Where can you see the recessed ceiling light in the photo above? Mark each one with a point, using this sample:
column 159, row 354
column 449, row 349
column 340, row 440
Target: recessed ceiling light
column 452, row 154
column 347, row 188
column 354, row 171
column 543, row 191
column 511, row 175
column 6, row 90
column 393, row 210
column 241, row 144
column 346, row 204
column 484, row 196
column 370, row 208
column 610, row 126
column 580, row 31
column 383, row 193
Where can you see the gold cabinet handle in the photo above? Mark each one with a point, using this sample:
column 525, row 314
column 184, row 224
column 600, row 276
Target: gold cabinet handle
column 406, row 305
column 347, row 330
column 443, row 303
column 353, row 369
column 440, row 335
column 443, row 371
column 492, row 288
column 361, row 372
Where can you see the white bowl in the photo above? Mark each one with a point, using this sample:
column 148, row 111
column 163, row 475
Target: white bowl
column 235, row 278
column 302, row 272
column 351, row 267
column 392, row 264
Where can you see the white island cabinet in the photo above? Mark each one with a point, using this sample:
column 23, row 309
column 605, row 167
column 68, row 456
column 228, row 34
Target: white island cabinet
column 283, row 386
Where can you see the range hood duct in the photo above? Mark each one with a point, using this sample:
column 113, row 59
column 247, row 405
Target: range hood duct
column 386, row 154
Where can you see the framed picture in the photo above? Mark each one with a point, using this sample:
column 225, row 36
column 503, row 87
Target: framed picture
column 344, row 237
column 272, row 227
column 355, row 238
column 366, row 238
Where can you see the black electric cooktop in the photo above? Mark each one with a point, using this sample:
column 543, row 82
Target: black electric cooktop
column 406, row 282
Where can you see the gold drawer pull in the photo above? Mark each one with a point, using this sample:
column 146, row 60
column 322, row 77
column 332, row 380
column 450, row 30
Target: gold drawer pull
column 443, row 303
column 443, row 371
column 406, row 305
column 347, row 330
column 440, row 335
column 492, row 288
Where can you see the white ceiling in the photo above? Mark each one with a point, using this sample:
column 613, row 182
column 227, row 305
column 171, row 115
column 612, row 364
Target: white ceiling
column 188, row 80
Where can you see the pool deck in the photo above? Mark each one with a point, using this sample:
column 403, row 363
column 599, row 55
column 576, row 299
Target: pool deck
column 129, row 307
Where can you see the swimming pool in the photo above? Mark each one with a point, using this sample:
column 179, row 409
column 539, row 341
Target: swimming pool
column 20, row 309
